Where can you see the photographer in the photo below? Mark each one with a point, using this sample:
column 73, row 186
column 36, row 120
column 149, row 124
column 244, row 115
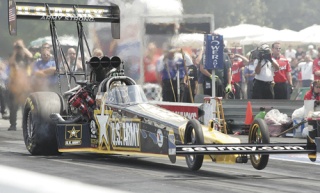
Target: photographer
column 264, row 67
column 19, row 83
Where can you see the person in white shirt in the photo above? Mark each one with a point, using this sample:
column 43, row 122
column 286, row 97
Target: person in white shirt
column 312, row 52
column 290, row 53
column 306, row 71
column 264, row 67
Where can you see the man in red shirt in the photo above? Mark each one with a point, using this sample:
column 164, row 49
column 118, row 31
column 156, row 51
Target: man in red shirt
column 150, row 64
column 316, row 66
column 314, row 92
column 282, row 77
column 238, row 63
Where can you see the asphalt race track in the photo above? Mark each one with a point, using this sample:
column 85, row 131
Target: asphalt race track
column 73, row 172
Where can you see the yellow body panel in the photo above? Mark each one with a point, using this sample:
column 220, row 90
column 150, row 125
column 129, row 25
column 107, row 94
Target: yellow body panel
column 216, row 137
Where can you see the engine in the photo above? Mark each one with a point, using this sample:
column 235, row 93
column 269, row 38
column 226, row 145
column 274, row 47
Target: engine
column 83, row 102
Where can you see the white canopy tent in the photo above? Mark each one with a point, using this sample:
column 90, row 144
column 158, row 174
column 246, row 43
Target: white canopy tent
column 194, row 40
column 64, row 41
column 254, row 40
column 285, row 36
column 310, row 34
column 234, row 34
column 309, row 31
column 313, row 39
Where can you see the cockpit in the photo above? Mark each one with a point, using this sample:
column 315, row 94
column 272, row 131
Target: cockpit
column 125, row 95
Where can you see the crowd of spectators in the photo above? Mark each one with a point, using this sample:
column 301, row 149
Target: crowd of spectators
column 289, row 68
column 180, row 72
column 29, row 70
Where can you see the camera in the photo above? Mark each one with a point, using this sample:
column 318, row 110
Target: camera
column 261, row 52
column 17, row 46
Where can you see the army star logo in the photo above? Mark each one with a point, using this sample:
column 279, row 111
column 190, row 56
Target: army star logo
column 73, row 133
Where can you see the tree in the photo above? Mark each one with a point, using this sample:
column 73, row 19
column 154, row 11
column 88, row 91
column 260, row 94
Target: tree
column 278, row 14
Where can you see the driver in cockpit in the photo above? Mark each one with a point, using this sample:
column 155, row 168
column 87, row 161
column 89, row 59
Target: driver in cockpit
column 119, row 93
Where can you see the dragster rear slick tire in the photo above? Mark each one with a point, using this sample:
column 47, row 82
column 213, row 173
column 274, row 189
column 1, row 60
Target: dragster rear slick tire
column 259, row 133
column 39, row 131
column 194, row 135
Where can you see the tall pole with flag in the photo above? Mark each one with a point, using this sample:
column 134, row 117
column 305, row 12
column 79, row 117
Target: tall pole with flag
column 213, row 58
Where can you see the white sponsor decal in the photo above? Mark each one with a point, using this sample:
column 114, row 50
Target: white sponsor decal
column 159, row 138
column 172, row 151
column 72, row 142
column 60, row 11
column 103, row 120
column 190, row 115
column 125, row 134
column 67, row 18
column 93, row 127
column 243, row 148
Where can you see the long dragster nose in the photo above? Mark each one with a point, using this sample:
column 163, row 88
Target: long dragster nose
column 248, row 148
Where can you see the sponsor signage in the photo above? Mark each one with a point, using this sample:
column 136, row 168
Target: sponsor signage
column 243, row 148
column 190, row 112
column 213, row 51
column 125, row 133
column 73, row 135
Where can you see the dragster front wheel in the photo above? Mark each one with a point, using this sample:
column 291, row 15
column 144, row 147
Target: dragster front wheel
column 259, row 133
column 194, row 135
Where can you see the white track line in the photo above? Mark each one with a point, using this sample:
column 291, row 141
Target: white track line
column 22, row 181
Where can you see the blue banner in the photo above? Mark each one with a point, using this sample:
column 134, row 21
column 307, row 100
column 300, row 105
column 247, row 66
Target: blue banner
column 213, row 51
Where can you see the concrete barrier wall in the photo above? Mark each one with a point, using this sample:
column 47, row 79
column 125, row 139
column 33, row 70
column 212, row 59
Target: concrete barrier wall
column 236, row 109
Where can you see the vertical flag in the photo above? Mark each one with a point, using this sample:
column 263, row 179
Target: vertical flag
column 213, row 53
column 12, row 17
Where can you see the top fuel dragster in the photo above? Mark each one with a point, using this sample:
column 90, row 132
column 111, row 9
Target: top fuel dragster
column 107, row 112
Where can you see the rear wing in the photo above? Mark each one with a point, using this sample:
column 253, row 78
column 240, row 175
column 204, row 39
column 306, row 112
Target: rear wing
column 63, row 12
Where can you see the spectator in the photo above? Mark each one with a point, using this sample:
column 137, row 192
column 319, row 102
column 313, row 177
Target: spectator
column 316, row 67
column 3, row 91
column 150, row 64
column 73, row 62
column 238, row 63
column 314, row 92
column 169, row 66
column 100, row 73
column 193, row 79
column 299, row 53
column 249, row 76
column 264, row 68
column 196, row 60
column 222, row 77
column 19, row 86
column 44, row 72
column 97, row 53
column 295, row 72
column 282, row 77
column 306, row 71
column 290, row 53
column 46, row 46
column 312, row 52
